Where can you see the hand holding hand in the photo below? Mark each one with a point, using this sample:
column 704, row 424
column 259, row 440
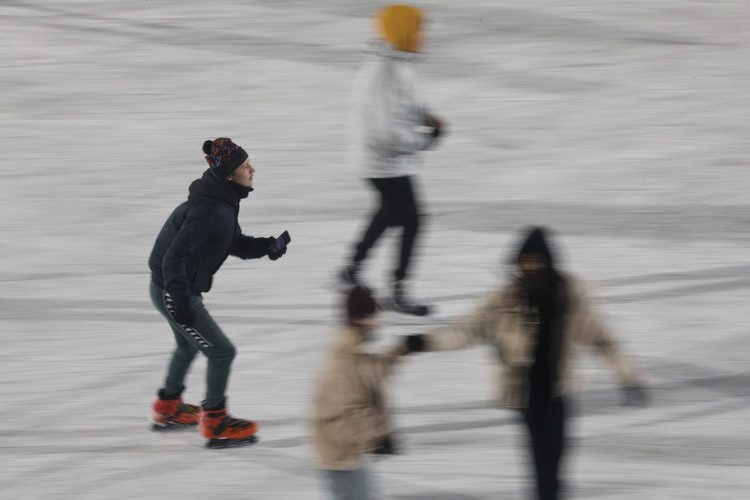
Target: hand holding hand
column 414, row 343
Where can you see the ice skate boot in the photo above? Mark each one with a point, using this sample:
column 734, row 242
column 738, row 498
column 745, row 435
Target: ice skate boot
column 349, row 277
column 224, row 431
column 170, row 413
column 402, row 303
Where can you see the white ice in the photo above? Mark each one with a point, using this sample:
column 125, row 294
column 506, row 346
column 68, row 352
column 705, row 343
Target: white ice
column 623, row 126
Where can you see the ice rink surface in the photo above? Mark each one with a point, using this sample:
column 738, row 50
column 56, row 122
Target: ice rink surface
column 623, row 126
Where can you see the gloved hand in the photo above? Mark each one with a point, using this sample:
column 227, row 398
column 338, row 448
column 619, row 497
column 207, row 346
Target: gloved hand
column 436, row 124
column 385, row 446
column 180, row 310
column 633, row 394
column 273, row 252
column 414, row 343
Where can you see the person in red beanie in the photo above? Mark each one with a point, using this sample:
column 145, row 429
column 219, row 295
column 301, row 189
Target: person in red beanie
column 350, row 417
column 192, row 245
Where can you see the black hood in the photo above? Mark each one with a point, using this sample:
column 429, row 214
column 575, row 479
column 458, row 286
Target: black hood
column 211, row 187
column 536, row 243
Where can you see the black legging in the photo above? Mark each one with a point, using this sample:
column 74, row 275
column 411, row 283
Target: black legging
column 398, row 208
column 546, row 425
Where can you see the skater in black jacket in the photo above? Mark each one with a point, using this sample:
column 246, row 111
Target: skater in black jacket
column 192, row 245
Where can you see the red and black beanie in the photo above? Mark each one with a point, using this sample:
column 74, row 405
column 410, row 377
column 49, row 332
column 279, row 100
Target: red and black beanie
column 223, row 156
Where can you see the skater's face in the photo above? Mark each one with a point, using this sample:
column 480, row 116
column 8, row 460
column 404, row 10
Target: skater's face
column 243, row 175
column 530, row 264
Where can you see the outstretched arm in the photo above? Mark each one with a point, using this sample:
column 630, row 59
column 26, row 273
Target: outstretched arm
column 592, row 330
column 479, row 326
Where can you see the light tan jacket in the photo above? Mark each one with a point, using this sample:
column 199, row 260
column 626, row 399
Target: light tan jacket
column 508, row 324
column 350, row 413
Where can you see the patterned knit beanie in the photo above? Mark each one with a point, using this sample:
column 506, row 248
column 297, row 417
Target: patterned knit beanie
column 223, row 156
column 359, row 304
column 399, row 25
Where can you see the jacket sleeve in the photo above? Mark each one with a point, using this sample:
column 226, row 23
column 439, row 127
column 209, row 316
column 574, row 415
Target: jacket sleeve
column 359, row 426
column 373, row 370
column 249, row 247
column 590, row 329
column 195, row 241
column 407, row 131
column 478, row 327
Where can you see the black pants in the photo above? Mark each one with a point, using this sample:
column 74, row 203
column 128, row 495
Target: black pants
column 398, row 208
column 546, row 425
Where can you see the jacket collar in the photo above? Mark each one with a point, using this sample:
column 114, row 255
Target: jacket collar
column 384, row 50
column 213, row 188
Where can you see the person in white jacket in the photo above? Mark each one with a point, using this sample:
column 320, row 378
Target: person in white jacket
column 391, row 127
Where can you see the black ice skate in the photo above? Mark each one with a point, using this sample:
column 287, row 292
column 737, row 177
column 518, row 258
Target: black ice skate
column 349, row 277
column 402, row 303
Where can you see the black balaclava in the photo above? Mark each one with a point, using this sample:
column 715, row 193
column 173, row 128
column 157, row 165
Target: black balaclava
column 538, row 285
column 540, row 289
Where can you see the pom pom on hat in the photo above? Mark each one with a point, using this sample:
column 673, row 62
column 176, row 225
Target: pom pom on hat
column 399, row 25
column 223, row 156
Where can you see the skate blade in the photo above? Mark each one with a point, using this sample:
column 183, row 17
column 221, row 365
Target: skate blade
column 217, row 443
column 172, row 426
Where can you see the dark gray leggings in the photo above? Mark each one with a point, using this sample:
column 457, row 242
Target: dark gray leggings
column 204, row 336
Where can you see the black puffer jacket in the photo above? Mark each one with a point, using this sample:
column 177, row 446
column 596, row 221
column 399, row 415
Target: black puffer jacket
column 199, row 235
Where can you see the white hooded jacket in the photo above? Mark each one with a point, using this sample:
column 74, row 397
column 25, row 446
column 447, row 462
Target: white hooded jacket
column 389, row 116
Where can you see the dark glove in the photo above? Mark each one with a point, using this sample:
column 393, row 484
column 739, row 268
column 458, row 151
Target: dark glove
column 414, row 343
column 180, row 310
column 385, row 446
column 633, row 395
column 436, row 124
column 273, row 252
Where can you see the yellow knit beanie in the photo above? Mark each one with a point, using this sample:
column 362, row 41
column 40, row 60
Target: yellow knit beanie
column 399, row 25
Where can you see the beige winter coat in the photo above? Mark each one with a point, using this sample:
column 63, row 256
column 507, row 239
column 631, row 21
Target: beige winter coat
column 350, row 414
column 505, row 322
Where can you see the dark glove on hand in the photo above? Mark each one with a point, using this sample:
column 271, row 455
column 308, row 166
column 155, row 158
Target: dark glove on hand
column 414, row 343
column 273, row 252
column 436, row 124
column 633, row 395
column 181, row 312
column 385, row 446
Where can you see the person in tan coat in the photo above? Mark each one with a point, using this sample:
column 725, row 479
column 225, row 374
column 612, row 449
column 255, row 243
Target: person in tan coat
column 350, row 417
column 532, row 323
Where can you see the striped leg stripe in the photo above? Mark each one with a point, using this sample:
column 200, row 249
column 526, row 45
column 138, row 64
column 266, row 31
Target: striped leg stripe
column 195, row 334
